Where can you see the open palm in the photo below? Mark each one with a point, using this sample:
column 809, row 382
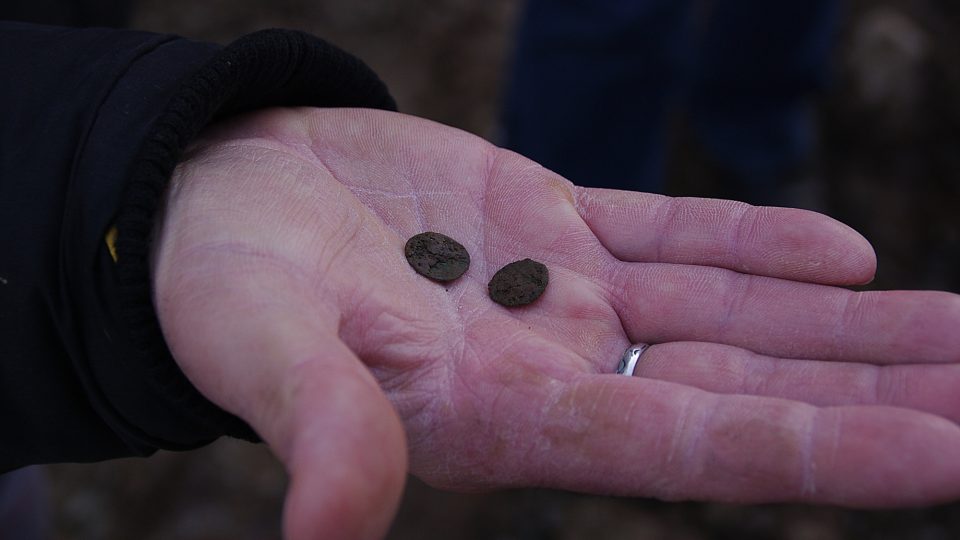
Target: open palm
column 284, row 295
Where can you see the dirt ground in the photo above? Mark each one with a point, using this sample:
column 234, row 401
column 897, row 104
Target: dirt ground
column 890, row 166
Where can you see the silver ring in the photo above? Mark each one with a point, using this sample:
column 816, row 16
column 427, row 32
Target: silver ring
column 628, row 364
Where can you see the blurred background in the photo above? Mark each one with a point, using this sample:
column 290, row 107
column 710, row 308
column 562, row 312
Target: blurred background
column 883, row 156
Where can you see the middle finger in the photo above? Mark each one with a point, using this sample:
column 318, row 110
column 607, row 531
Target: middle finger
column 660, row 303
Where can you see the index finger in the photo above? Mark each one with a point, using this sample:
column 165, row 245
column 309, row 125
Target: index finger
column 779, row 242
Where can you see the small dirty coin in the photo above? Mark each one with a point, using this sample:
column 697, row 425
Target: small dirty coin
column 437, row 256
column 518, row 283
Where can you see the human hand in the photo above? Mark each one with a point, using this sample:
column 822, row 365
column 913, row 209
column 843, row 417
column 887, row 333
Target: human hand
column 284, row 296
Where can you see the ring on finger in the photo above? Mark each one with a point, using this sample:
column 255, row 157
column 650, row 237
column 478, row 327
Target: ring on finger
column 630, row 359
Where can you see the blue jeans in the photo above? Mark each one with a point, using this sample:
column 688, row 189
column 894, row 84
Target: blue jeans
column 594, row 83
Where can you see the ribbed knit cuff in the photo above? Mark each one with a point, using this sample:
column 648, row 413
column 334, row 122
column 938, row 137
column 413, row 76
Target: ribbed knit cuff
column 267, row 68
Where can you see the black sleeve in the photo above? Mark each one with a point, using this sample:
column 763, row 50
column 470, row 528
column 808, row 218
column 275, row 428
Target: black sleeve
column 92, row 123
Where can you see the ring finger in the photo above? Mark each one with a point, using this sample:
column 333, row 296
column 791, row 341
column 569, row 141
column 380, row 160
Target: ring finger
column 724, row 369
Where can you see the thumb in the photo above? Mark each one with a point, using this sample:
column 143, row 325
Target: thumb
column 324, row 416
column 344, row 450
column 283, row 368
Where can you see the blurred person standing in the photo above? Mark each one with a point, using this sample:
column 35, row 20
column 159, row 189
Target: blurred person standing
column 595, row 84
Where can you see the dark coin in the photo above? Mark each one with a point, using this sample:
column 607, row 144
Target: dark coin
column 437, row 256
column 518, row 283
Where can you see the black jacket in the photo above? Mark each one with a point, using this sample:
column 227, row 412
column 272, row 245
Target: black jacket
column 92, row 123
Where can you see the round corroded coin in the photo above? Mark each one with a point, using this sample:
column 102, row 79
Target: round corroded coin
column 437, row 256
column 518, row 283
